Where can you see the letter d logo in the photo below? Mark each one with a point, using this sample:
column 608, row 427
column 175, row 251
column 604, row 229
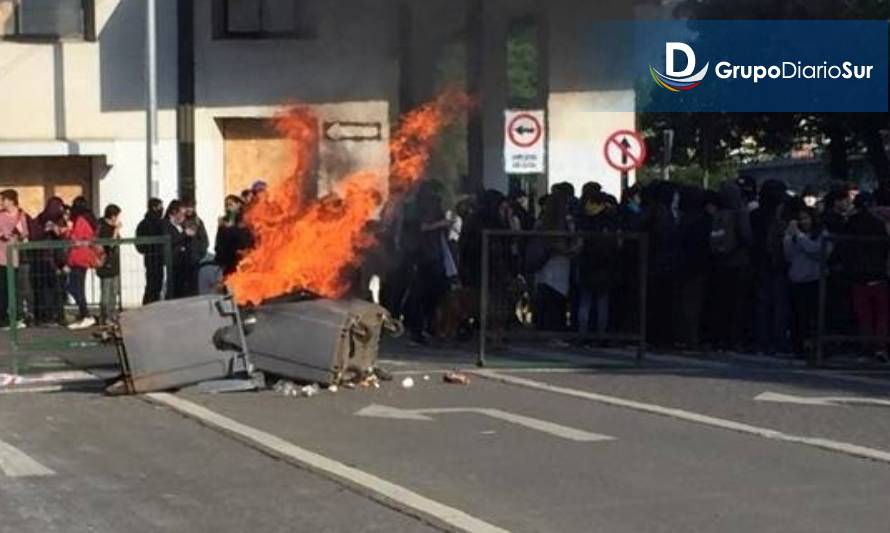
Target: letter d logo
column 682, row 80
column 670, row 50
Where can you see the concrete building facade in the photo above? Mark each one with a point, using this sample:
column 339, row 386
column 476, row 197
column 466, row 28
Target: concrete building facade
column 72, row 83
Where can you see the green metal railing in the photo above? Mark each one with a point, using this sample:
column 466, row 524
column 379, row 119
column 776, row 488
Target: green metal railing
column 42, row 340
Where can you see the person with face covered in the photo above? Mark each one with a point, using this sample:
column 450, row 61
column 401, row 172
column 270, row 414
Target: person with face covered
column 152, row 225
column 730, row 282
column 598, row 259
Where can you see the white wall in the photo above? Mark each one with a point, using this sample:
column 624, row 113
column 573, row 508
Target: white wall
column 348, row 72
column 87, row 98
column 589, row 100
column 92, row 94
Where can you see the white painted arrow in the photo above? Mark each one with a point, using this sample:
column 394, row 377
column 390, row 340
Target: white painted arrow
column 557, row 430
column 821, row 400
column 15, row 463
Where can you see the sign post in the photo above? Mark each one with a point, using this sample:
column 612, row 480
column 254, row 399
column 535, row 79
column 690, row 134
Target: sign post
column 625, row 150
column 524, row 141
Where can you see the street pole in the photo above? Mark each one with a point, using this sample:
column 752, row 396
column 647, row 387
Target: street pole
column 668, row 142
column 151, row 100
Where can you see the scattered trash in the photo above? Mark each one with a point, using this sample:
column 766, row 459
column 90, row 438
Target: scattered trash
column 370, row 380
column 333, row 388
column 286, row 388
column 426, row 377
column 407, row 383
column 456, row 378
column 310, row 390
column 7, row 380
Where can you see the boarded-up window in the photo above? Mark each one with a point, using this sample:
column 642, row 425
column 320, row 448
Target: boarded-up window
column 254, row 151
column 39, row 178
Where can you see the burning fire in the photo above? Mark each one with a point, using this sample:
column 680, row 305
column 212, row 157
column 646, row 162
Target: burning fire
column 306, row 243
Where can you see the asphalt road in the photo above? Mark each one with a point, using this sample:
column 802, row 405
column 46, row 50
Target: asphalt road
column 677, row 445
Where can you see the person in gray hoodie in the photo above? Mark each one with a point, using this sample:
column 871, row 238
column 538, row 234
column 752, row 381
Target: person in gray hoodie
column 803, row 244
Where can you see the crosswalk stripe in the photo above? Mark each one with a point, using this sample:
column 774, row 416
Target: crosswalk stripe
column 15, row 463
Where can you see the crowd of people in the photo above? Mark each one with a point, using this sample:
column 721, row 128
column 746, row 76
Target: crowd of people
column 45, row 277
column 737, row 268
column 733, row 269
column 48, row 277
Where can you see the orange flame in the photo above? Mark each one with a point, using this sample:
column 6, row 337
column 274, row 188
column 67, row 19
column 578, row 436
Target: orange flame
column 307, row 244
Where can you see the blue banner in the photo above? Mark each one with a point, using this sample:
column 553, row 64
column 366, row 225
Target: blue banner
column 748, row 65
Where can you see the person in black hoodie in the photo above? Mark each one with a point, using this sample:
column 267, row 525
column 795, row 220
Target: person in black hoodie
column 50, row 268
column 152, row 225
column 770, row 267
column 182, row 237
column 598, row 260
column 658, row 221
column 865, row 265
column 730, row 243
column 694, row 265
column 110, row 271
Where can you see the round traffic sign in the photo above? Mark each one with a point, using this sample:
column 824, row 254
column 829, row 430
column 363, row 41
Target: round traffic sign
column 525, row 130
column 625, row 150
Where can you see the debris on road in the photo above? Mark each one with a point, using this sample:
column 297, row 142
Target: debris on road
column 426, row 377
column 407, row 383
column 285, row 387
column 456, row 378
column 333, row 388
column 309, row 391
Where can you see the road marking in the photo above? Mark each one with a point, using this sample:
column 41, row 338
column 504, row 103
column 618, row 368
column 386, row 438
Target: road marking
column 15, row 463
column 697, row 418
column 557, row 430
column 388, row 490
column 32, row 390
column 832, row 401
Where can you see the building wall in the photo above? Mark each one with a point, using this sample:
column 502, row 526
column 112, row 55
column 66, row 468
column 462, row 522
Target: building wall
column 347, row 72
column 76, row 97
column 587, row 102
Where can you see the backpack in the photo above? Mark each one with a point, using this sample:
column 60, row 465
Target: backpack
column 724, row 237
column 537, row 253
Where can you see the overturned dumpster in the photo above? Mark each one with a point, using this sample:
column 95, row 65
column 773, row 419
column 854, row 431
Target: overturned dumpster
column 318, row 340
column 171, row 344
column 177, row 343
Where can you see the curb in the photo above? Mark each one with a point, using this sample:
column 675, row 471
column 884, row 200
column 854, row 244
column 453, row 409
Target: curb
column 47, row 382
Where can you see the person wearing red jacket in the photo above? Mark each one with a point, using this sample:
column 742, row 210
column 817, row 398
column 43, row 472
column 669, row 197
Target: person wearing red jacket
column 81, row 258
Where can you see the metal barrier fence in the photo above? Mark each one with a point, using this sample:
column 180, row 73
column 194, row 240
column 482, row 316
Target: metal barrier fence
column 853, row 296
column 40, row 301
column 546, row 285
